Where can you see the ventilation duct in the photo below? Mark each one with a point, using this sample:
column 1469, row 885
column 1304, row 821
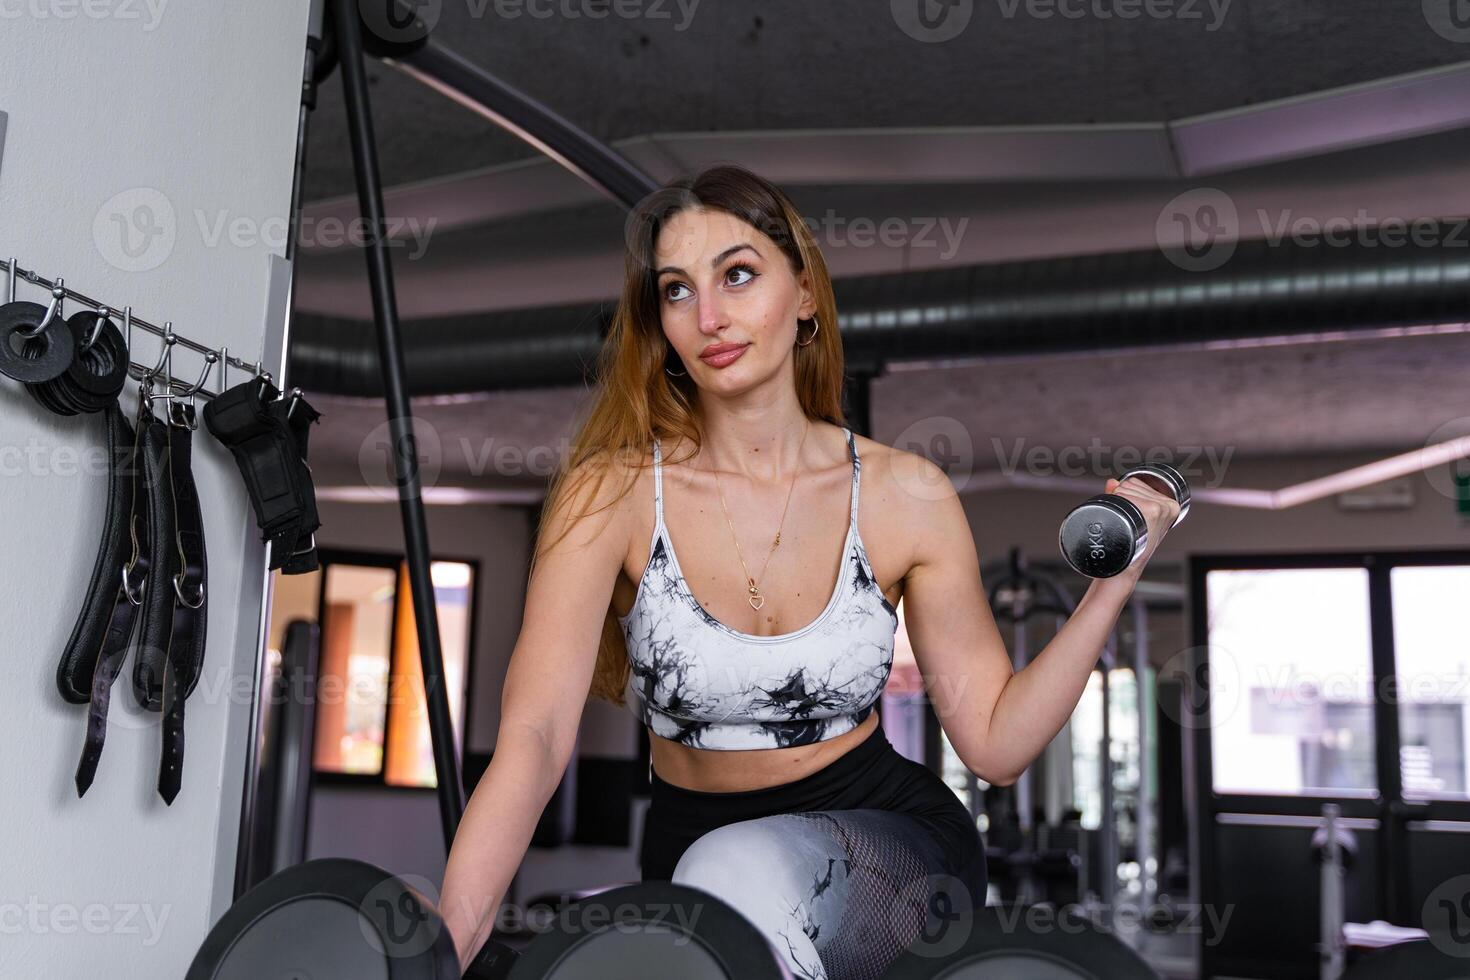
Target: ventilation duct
column 1065, row 304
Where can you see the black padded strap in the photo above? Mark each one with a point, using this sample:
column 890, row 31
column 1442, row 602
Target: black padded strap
column 79, row 657
column 268, row 437
column 185, row 658
column 131, row 575
column 158, row 593
column 299, row 416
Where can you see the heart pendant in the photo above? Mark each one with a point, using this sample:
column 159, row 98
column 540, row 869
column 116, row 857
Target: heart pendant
column 756, row 601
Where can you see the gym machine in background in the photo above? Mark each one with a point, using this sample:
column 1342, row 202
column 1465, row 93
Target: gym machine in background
column 283, row 782
column 1021, row 860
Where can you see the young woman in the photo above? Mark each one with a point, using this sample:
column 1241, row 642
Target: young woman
column 685, row 568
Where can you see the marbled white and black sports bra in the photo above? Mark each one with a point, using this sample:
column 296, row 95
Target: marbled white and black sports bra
column 697, row 681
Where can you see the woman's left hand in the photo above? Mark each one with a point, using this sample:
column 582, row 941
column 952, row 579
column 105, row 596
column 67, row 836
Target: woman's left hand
column 1159, row 510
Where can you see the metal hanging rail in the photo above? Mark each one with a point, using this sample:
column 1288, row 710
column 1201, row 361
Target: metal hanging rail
column 137, row 371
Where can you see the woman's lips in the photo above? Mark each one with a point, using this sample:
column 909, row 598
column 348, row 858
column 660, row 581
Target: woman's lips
column 724, row 359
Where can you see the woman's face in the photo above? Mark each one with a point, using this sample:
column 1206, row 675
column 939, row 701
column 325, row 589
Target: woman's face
column 722, row 282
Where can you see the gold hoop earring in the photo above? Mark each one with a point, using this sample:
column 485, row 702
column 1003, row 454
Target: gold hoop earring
column 816, row 325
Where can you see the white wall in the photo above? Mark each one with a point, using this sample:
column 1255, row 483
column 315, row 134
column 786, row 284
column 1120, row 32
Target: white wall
column 131, row 116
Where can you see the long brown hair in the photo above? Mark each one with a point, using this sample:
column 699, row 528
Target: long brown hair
column 635, row 400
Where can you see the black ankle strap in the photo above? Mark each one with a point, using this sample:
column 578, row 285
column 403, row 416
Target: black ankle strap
column 268, row 437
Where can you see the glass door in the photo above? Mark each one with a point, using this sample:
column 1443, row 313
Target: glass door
column 1325, row 679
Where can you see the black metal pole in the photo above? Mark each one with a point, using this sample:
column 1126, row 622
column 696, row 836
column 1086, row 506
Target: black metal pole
column 405, row 449
column 596, row 163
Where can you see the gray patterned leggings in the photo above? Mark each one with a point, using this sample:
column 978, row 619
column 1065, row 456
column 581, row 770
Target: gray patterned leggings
column 838, row 893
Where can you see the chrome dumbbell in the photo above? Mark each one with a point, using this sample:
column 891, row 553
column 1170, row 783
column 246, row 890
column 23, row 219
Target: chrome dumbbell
column 1105, row 534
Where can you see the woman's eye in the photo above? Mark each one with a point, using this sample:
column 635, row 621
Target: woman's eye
column 733, row 269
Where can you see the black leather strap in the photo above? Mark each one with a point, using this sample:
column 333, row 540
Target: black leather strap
column 121, row 603
column 299, row 417
column 268, row 437
column 158, row 593
column 185, row 658
column 79, row 656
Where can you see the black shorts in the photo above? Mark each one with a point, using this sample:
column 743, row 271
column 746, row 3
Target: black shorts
column 873, row 775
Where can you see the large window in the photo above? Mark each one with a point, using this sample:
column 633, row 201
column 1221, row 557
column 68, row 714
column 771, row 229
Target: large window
column 1432, row 653
column 1291, row 676
column 372, row 719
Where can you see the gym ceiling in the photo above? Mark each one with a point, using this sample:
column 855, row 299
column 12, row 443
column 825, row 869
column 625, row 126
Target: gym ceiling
column 1035, row 137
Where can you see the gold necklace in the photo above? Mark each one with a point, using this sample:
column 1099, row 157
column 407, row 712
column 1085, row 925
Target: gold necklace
column 755, row 598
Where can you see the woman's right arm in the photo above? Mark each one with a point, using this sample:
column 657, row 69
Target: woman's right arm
column 541, row 705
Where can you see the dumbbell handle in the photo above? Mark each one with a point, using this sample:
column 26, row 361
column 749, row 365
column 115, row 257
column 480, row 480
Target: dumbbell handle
column 1167, row 480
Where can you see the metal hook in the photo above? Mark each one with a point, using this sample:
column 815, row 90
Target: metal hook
column 295, row 396
column 102, row 312
column 58, row 292
column 10, row 289
column 224, row 367
column 168, row 346
column 194, row 389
